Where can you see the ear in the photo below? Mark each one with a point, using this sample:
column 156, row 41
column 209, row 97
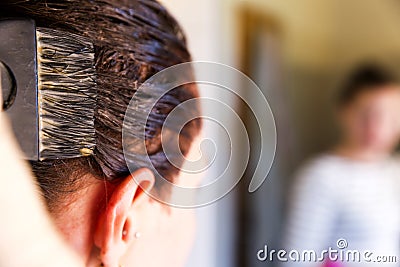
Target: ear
column 116, row 226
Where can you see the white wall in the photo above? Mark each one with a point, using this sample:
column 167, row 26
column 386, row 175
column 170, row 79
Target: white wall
column 201, row 21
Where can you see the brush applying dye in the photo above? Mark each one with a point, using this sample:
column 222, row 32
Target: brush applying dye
column 49, row 88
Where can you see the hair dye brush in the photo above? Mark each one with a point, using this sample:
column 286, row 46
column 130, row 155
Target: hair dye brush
column 49, row 89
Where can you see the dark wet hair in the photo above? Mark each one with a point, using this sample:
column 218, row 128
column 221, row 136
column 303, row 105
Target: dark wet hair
column 367, row 77
column 133, row 39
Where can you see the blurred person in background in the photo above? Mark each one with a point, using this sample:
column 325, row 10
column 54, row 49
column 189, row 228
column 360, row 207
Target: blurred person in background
column 349, row 198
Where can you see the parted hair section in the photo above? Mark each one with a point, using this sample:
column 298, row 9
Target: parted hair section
column 133, row 40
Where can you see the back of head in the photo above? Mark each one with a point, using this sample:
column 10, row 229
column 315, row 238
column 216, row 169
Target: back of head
column 133, row 39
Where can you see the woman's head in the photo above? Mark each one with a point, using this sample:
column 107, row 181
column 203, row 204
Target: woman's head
column 93, row 199
column 369, row 106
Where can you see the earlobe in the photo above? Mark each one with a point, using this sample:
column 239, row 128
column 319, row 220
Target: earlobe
column 117, row 225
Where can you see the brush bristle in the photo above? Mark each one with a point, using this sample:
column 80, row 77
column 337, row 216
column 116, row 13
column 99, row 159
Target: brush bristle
column 67, row 94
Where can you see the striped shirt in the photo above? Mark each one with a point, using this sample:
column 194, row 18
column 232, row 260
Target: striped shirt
column 348, row 206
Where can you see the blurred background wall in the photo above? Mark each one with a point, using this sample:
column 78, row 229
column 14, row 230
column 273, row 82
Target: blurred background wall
column 297, row 52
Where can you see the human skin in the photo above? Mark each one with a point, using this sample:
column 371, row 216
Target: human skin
column 105, row 233
column 370, row 124
column 28, row 235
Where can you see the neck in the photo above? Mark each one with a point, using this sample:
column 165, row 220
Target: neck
column 357, row 152
column 72, row 220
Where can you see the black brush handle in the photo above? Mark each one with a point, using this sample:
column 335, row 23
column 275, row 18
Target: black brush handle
column 18, row 66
